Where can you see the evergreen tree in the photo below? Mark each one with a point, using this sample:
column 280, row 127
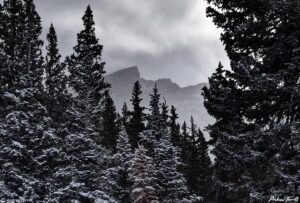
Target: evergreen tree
column 125, row 118
column 85, row 63
column 84, row 159
column 171, row 184
column 141, row 172
column 196, row 162
column 12, row 25
column 32, row 44
column 222, row 102
column 255, row 97
column 185, row 143
column 86, row 75
column 253, row 38
column 174, row 127
column 116, row 178
column 78, row 175
column 154, row 130
column 11, row 29
column 55, row 81
column 110, row 130
column 204, row 170
column 28, row 148
column 136, row 124
column 86, row 78
column 164, row 115
column 193, row 130
column 190, row 157
column 28, row 144
column 154, row 119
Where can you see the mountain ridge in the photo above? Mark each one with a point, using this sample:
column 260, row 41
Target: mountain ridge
column 187, row 100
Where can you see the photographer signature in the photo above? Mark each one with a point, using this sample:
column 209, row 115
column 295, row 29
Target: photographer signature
column 286, row 199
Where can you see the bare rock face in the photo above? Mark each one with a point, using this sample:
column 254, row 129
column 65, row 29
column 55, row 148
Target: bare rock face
column 187, row 100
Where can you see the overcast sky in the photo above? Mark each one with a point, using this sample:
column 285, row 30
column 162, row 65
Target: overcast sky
column 165, row 38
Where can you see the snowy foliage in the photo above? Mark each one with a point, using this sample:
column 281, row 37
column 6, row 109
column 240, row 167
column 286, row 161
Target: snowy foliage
column 141, row 172
column 57, row 147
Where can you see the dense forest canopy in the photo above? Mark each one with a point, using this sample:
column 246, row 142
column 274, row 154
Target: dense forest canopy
column 62, row 139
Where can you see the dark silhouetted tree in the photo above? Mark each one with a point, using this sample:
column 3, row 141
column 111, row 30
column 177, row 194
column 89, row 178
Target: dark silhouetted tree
column 136, row 124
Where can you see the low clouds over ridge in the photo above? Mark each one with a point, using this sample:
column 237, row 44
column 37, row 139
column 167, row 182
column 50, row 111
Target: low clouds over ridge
column 169, row 38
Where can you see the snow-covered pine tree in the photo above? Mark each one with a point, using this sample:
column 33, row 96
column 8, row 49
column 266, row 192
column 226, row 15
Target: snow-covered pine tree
column 171, row 184
column 11, row 27
column 55, row 77
column 257, row 97
column 31, row 46
column 7, row 20
column 56, row 99
column 86, row 78
column 141, row 173
column 85, row 64
column 136, row 124
column 28, row 148
column 116, row 181
column 80, row 171
column 154, row 119
column 84, row 159
column 150, row 137
column 28, row 144
column 263, row 32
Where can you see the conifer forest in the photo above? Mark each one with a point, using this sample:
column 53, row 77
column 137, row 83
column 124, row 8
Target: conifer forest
column 62, row 139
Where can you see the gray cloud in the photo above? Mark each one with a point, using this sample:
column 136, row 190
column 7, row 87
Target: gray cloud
column 165, row 38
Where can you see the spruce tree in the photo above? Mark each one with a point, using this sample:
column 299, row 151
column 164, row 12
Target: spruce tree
column 86, row 74
column 116, row 180
column 125, row 116
column 28, row 148
column 204, row 169
column 185, row 143
column 193, row 130
column 86, row 79
column 257, row 97
column 249, row 41
column 164, row 115
column 32, row 44
column 136, row 123
column 190, row 157
column 174, row 127
column 11, row 29
column 85, row 64
column 80, row 170
column 110, row 130
column 196, row 162
column 154, row 129
column 222, row 102
column 171, row 184
column 77, row 177
column 141, row 172
column 55, row 80
column 154, row 119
